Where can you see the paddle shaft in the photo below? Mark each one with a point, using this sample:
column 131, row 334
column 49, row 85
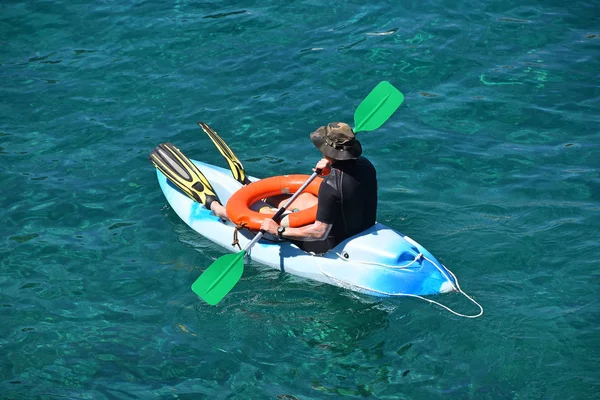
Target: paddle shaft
column 282, row 209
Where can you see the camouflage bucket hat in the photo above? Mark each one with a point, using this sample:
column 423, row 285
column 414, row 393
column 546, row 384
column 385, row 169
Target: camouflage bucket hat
column 337, row 141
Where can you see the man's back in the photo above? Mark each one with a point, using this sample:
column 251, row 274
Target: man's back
column 348, row 199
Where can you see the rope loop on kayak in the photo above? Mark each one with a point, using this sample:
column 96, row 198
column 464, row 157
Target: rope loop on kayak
column 236, row 241
column 418, row 257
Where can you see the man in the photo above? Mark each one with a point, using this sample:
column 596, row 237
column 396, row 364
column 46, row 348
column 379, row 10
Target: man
column 347, row 201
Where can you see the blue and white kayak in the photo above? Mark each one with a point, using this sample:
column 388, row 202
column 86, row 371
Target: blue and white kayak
column 379, row 261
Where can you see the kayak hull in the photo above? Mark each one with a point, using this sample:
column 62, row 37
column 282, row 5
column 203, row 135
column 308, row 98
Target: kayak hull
column 379, row 261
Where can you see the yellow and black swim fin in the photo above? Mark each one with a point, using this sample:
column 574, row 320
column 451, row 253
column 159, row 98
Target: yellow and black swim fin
column 235, row 165
column 183, row 173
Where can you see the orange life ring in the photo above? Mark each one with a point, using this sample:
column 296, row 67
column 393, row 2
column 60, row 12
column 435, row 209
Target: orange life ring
column 238, row 205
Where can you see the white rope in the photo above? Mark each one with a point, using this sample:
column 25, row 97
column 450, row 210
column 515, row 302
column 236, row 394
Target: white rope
column 418, row 257
column 380, row 264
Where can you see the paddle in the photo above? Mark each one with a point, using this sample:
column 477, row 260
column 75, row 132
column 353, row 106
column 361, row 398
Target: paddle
column 222, row 275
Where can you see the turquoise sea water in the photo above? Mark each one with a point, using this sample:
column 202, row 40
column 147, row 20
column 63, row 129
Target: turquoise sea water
column 492, row 163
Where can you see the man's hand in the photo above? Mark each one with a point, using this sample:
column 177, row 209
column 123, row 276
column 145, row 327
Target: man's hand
column 323, row 166
column 269, row 226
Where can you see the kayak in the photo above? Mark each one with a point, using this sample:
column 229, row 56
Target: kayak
column 379, row 261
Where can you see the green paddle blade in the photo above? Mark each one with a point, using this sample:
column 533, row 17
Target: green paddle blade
column 377, row 107
column 220, row 277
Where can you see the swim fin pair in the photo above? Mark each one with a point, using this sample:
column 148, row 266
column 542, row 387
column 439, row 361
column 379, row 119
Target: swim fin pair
column 187, row 177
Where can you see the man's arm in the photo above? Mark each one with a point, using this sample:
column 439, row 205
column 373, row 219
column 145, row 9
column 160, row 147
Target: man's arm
column 315, row 231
